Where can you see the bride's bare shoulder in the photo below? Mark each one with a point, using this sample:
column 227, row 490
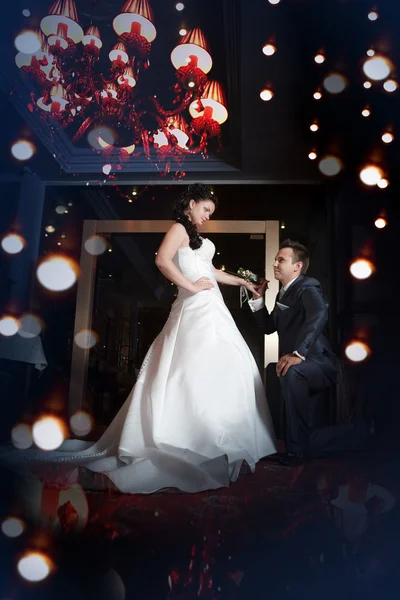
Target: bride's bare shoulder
column 178, row 233
column 177, row 229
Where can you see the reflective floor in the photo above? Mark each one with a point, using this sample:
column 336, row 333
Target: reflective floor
column 324, row 530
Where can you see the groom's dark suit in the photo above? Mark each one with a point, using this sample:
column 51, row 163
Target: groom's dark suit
column 300, row 316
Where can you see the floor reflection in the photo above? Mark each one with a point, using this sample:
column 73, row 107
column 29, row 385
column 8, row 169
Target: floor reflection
column 326, row 529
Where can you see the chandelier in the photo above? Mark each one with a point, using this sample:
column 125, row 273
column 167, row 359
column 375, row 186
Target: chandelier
column 73, row 91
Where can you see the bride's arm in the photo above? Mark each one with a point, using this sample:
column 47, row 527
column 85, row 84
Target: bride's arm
column 173, row 240
column 228, row 279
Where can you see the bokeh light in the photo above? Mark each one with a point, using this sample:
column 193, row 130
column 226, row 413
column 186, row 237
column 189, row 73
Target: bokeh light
column 319, row 58
column 48, row 432
column 23, row 150
column 12, row 527
column 28, row 42
column 383, row 183
column 86, row 339
column 357, row 351
column 13, row 243
column 61, row 209
column 107, row 169
column 373, row 15
column 314, row 126
column 266, row 95
column 312, row 155
column 81, row 423
column 367, row 85
column 317, row 95
column 9, row 326
column 371, row 174
column 334, row 83
column 361, row 268
column 377, row 68
column 34, row 566
column 21, row 436
column 179, row 6
column 57, row 273
column 96, row 245
column 390, row 85
column 330, row 166
column 269, row 49
column 108, row 585
column 182, row 31
column 30, row 326
column 366, row 112
column 101, row 137
column 380, row 223
column 387, row 137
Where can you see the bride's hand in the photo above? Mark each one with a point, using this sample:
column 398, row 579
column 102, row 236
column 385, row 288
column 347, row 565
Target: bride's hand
column 202, row 284
column 252, row 289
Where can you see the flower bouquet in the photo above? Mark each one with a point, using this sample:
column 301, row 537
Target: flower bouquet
column 248, row 276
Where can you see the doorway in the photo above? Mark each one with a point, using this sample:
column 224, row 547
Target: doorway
column 125, row 300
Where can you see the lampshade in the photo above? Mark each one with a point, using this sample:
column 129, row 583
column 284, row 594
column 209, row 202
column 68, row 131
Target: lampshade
column 127, row 78
column 58, row 41
column 54, row 75
column 192, row 49
column 110, row 90
column 136, row 17
column 176, row 126
column 62, row 21
column 129, row 149
column 92, row 37
column 58, row 100
column 178, row 122
column 32, row 61
column 212, row 103
column 45, row 44
column 119, row 53
column 141, row 7
column 59, row 95
column 83, row 96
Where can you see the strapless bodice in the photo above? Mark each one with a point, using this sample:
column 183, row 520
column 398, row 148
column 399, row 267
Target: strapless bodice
column 195, row 264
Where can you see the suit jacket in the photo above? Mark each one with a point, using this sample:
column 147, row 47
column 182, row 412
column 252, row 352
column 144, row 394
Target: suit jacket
column 301, row 325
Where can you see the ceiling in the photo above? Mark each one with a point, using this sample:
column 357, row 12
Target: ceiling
column 262, row 141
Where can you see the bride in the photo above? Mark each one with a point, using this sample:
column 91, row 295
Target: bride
column 198, row 409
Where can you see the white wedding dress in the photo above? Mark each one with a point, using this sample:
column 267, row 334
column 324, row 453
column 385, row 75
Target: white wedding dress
column 197, row 410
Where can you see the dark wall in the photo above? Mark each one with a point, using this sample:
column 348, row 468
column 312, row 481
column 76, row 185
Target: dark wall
column 8, row 212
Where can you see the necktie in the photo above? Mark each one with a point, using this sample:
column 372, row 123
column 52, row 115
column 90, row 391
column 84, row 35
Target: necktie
column 281, row 292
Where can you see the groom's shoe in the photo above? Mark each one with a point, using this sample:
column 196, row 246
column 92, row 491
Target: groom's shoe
column 293, row 459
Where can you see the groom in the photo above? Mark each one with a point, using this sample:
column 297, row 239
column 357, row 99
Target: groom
column 307, row 363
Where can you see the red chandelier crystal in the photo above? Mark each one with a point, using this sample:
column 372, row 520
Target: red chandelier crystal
column 73, row 91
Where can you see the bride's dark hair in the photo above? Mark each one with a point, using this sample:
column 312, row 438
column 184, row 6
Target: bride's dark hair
column 196, row 192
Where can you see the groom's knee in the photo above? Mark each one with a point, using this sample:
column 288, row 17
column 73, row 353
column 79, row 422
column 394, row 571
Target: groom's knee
column 292, row 376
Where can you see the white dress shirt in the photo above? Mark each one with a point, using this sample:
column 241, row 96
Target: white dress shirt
column 257, row 304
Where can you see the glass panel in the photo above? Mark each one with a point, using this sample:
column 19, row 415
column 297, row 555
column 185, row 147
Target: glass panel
column 247, row 251
column 133, row 300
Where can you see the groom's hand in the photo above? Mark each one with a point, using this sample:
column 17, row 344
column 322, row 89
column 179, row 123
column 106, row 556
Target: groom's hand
column 261, row 288
column 253, row 289
column 287, row 361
